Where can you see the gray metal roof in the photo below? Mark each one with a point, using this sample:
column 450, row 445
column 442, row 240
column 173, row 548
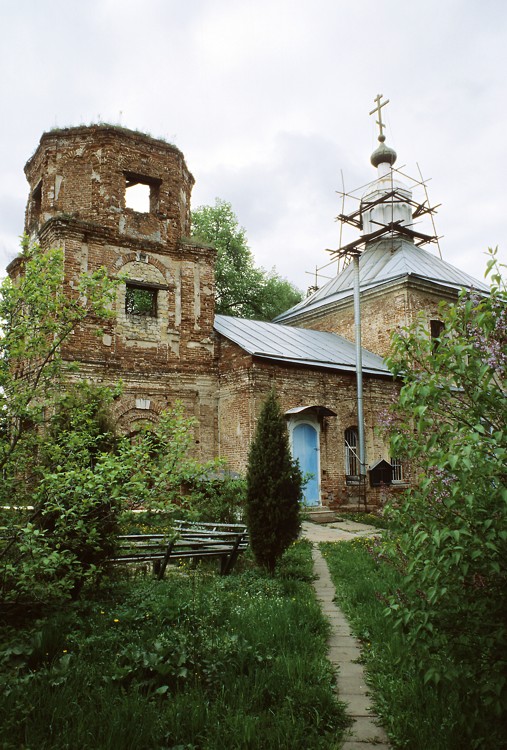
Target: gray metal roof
column 297, row 345
column 383, row 262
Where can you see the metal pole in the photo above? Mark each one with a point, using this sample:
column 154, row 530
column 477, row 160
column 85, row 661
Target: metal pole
column 359, row 368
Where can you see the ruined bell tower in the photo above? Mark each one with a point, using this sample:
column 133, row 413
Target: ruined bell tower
column 161, row 342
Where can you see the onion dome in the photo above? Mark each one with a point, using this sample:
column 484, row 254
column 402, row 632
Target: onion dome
column 386, row 200
column 383, row 154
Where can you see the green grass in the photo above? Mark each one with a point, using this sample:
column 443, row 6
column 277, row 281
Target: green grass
column 370, row 519
column 417, row 716
column 197, row 661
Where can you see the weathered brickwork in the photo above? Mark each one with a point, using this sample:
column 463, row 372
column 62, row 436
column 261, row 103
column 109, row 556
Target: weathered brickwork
column 382, row 312
column 83, row 172
column 78, row 179
column 245, row 382
column 168, row 351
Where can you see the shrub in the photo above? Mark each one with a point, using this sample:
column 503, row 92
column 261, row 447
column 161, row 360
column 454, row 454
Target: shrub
column 80, row 501
column 219, row 498
column 451, row 422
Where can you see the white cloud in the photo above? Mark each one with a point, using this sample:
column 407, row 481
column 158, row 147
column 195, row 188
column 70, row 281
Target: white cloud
column 269, row 101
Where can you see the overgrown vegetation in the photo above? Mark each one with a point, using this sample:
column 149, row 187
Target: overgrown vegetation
column 217, row 495
column 378, row 520
column 68, row 482
column 274, row 488
column 449, row 536
column 83, row 494
column 192, row 662
column 38, row 314
column 242, row 289
column 417, row 714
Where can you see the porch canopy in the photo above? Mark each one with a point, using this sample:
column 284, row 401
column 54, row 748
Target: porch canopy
column 320, row 411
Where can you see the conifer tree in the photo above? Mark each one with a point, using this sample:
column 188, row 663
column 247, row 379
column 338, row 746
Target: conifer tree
column 274, row 488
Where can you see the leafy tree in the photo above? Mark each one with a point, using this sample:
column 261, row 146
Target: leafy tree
column 65, row 476
column 274, row 488
column 38, row 314
column 83, row 493
column 278, row 295
column 41, row 428
column 451, row 528
column 241, row 289
column 217, row 496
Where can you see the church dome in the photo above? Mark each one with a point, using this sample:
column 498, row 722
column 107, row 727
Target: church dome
column 386, row 201
column 383, row 154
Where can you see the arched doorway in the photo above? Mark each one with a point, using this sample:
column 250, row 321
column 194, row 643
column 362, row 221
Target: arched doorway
column 305, row 423
column 305, row 447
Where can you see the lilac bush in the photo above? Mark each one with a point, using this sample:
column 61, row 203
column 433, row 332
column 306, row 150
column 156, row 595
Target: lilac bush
column 451, row 527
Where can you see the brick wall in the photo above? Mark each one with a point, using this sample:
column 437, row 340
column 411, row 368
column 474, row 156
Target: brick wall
column 83, row 173
column 78, row 179
column 382, row 312
column 244, row 385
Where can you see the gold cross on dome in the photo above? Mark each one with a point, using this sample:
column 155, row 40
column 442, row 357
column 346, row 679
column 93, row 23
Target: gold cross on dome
column 378, row 109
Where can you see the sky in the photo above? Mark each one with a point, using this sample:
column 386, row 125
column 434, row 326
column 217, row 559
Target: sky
column 269, row 101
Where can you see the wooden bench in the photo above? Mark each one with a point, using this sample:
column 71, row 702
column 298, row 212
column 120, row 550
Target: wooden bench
column 189, row 540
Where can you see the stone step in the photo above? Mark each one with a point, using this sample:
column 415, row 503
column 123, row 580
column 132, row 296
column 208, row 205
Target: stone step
column 320, row 515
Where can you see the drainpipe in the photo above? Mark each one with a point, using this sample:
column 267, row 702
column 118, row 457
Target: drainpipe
column 359, row 368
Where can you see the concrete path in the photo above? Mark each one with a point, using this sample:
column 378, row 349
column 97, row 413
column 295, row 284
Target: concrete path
column 344, row 651
column 337, row 531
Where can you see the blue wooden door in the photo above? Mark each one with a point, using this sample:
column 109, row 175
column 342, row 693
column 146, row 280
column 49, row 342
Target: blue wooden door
column 305, row 449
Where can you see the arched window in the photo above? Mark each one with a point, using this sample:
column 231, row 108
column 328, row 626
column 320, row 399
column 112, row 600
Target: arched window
column 351, row 454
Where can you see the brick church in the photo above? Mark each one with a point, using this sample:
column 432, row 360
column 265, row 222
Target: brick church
column 167, row 344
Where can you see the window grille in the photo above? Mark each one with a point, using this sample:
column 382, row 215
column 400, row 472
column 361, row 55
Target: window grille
column 398, row 473
column 351, row 455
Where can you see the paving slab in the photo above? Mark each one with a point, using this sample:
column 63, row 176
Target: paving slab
column 344, row 650
column 367, row 731
column 337, row 531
